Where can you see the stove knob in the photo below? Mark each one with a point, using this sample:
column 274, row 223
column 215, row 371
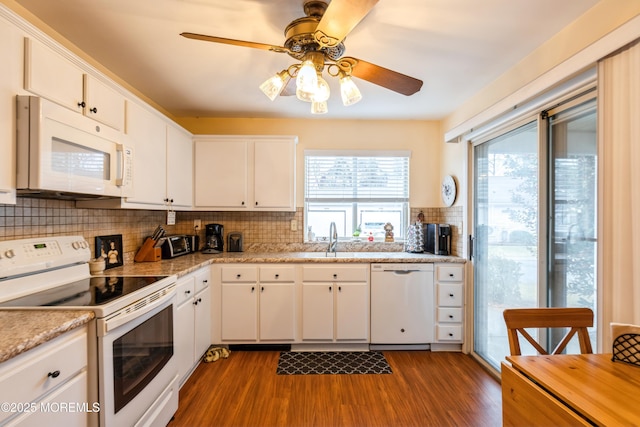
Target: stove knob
column 9, row 253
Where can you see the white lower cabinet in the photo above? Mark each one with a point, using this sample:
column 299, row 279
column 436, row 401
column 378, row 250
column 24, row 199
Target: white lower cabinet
column 450, row 305
column 258, row 303
column 40, row 382
column 335, row 303
column 193, row 322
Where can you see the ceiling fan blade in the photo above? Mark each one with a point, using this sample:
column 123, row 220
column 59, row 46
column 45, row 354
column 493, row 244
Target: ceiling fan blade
column 339, row 19
column 384, row 77
column 290, row 88
column 234, row 42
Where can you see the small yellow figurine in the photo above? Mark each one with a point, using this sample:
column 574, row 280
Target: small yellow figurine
column 388, row 236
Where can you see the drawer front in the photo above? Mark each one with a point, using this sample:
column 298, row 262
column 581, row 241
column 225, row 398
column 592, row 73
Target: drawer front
column 448, row 333
column 27, row 377
column 185, row 290
column 450, row 295
column 450, row 274
column 277, row 274
column 240, row 274
column 359, row 273
column 449, row 315
column 202, row 278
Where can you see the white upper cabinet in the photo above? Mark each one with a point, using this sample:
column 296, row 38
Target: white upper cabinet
column 179, row 167
column 52, row 76
column 11, row 81
column 237, row 173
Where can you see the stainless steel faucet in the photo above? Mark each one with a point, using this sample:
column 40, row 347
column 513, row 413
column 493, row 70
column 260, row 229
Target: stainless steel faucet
column 333, row 239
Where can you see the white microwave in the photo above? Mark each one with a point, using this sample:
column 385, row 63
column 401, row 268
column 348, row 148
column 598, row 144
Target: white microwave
column 61, row 153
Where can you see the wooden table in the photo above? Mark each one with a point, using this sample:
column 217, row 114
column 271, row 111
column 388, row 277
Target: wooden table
column 570, row 389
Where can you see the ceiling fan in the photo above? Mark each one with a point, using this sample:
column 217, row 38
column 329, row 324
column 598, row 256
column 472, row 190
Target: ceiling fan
column 317, row 40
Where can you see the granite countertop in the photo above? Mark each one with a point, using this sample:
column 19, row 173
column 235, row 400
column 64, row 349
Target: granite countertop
column 188, row 263
column 22, row 330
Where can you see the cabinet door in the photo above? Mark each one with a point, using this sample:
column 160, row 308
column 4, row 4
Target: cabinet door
column 352, row 311
column 179, row 167
column 277, row 312
column 220, row 174
column 184, row 336
column 317, row 311
column 103, row 103
column 202, row 339
column 147, row 134
column 274, row 179
column 11, row 81
column 239, row 312
column 51, row 76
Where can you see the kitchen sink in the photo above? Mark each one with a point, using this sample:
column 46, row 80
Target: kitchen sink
column 336, row 254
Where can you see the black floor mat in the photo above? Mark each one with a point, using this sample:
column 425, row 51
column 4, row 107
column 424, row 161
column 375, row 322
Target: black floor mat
column 332, row 362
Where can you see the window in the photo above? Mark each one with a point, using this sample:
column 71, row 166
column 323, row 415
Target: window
column 358, row 190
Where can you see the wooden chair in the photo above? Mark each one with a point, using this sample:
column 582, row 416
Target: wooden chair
column 577, row 319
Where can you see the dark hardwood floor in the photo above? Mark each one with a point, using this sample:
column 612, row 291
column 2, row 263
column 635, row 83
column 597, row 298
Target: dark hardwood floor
column 425, row 389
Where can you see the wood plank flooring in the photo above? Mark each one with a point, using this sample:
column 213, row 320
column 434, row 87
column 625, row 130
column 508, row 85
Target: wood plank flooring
column 425, row 389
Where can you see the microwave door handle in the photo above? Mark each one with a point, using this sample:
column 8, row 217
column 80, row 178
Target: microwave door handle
column 123, row 165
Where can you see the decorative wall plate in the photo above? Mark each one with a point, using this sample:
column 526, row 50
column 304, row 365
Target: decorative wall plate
column 448, row 190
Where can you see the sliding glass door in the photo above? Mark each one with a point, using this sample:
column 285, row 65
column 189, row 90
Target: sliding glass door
column 506, row 235
column 535, row 204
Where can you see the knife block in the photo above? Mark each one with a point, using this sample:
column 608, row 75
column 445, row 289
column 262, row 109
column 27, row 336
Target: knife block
column 148, row 252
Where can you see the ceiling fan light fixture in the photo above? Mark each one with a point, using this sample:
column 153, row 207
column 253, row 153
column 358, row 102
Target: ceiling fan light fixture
column 274, row 85
column 306, row 81
column 348, row 90
column 319, row 107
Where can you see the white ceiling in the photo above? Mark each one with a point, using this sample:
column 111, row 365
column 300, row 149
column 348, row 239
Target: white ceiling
column 455, row 46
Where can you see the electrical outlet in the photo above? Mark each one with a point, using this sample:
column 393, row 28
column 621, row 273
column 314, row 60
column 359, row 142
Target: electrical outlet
column 171, row 218
column 294, row 225
column 197, row 224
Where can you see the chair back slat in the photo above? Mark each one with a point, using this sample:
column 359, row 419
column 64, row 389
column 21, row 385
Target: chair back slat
column 576, row 319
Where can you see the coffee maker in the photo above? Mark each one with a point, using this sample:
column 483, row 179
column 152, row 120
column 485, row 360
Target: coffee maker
column 213, row 241
column 437, row 239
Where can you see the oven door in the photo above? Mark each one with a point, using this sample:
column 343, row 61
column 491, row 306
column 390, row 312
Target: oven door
column 138, row 370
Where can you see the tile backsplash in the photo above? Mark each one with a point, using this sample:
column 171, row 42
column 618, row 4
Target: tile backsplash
column 263, row 231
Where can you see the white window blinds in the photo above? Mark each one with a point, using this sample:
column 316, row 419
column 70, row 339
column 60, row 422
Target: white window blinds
column 357, row 177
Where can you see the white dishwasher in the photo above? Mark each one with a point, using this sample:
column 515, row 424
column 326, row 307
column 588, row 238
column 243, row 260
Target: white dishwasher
column 402, row 306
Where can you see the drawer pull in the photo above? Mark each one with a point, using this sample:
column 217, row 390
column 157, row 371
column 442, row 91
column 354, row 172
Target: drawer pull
column 54, row 374
column 450, row 274
column 335, row 276
column 238, row 276
column 450, row 334
column 451, row 316
column 451, row 295
column 277, row 275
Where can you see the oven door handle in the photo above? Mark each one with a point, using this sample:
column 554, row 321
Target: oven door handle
column 138, row 309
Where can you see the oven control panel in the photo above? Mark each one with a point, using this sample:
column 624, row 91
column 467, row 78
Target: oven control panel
column 25, row 256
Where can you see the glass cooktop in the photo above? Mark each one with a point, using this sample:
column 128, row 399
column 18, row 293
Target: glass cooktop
column 90, row 292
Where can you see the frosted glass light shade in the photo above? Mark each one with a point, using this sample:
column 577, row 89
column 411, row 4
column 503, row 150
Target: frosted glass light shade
column 323, row 91
column 307, row 81
column 273, row 86
column 349, row 91
column 319, row 107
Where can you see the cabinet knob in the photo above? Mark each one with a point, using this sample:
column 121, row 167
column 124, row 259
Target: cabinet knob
column 329, row 288
column 238, row 276
column 256, row 203
column 451, row 316
column 335, row 276
column 242, row 203
column 450, row 274
column 262, row 289
column 450, row 334
column 253, row 288
column 205, row 281
column 277, row 275
column 187, row 292
column 82, row 104
column 339, row 288
column 54, row 374
column 451, row 295
column 402, row 330
column 94, row 110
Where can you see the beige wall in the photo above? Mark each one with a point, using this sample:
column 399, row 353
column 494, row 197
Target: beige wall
column 422, row 138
